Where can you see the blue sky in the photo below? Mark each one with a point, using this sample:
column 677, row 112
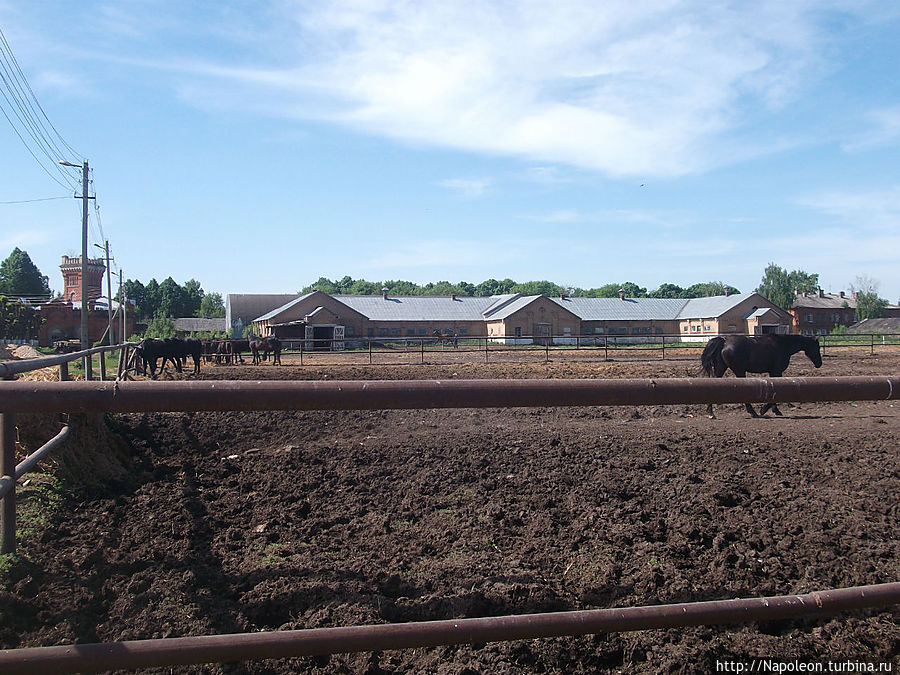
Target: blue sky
column 256, row 146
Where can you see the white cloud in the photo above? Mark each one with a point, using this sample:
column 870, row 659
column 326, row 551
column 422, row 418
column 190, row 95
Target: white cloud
column 867, row 211
column 883, row 129
column 627, row 88
column 468, row 187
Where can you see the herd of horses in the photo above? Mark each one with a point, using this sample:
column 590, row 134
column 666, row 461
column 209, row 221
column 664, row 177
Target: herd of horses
column 151, row 353
column 768, row 354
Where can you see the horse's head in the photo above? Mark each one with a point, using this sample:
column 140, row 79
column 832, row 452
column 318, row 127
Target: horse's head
column 813, row 352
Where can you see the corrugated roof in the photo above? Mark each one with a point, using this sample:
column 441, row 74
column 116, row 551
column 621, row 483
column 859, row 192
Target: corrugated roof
column 192, row 324
column 758, row 312
column 418, row 307
column 629, row 309
column 886, row 325
column 278, row 310
column 248, row 306
column 713, row 306
column 513, row 305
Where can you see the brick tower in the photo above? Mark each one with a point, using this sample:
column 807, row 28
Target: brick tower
column 71, row 272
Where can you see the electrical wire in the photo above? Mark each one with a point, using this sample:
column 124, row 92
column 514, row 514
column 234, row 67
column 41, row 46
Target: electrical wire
column 22, row 104
column 30, row 201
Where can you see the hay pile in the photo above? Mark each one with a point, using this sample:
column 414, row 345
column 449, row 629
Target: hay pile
column 11, row 352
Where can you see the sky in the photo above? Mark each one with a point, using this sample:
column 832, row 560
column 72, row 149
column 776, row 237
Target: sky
column 258, row 146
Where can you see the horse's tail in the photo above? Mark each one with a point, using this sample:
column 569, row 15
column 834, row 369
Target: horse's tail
column 712, row 355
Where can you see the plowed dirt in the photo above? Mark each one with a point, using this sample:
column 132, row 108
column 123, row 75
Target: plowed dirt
column 245, row 522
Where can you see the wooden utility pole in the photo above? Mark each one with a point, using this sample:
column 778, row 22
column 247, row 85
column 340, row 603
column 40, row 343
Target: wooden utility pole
column 85, row 177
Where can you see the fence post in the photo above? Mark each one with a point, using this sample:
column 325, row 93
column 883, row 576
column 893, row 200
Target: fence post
column 8, row 468
column 422, row 348
column 872, row 336
column 663, row 347
column 485, row 349
column 102, row 356
column 370, row 352
column 606, row 347
column 63, row 371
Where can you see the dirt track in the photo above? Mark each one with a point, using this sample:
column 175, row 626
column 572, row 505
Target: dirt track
column 262, row 521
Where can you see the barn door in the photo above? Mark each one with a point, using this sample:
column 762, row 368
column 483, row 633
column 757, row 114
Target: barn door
column 337, row 344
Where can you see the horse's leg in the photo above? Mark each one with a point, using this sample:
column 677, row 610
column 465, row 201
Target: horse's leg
column 719, row 371
column 772, row 405
column 750, row 409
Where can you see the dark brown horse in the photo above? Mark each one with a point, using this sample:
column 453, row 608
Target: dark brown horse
column 769, row 353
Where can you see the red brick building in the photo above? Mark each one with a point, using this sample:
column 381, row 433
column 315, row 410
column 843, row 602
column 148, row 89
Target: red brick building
column 62, row 318
column 820, row 313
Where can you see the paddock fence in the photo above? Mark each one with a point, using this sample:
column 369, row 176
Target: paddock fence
column 519, row 349
column 18, row 397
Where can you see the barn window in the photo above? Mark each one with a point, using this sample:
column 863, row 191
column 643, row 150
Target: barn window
column 463, row 331
column 382, row 332
column 348, row 331
column 423, row 331
column 395, row 331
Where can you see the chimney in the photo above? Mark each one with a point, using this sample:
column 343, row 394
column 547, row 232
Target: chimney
column 621, row 294
column 821, row 293
column 453, row 296
column 842, row 294
column 562, row 296
column 384, row 292
column 727, row 291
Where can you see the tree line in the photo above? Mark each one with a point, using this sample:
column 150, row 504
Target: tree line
column 170, row 299
column 350, row 286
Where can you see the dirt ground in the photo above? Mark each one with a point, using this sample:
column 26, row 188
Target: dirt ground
column 240, row 522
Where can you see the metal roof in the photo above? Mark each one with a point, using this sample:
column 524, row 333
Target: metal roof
column 886, row 325
column 192, row 324
column 713, row 306
column 512, row 305
column 278, row 310
column 248, row 306
column 629, row 309
column 419, row 307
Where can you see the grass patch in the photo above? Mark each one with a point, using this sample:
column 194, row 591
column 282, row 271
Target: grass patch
column 37, row 506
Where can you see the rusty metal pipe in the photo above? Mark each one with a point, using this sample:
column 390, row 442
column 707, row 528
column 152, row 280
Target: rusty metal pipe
column 23, row 467
column 10, row 368
column 310, row 642
column 206, row 395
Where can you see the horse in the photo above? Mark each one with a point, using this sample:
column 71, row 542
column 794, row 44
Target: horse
column 257, row 345
column 272, row 344
column 770, row 353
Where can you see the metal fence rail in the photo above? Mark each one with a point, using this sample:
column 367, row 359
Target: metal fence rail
column 316, row 641
column 91, row 396
column 225, row 395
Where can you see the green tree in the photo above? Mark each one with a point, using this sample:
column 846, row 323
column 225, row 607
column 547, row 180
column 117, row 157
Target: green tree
column 212, row 306
column 780, row 286
column 192, row 296
column 490, row 287
column 708, row 289
column 538, row 288
column 20, row 277
column 667, row 291
column 171, row 299
column 868, row 304
column 322, row 284
column 160, row 327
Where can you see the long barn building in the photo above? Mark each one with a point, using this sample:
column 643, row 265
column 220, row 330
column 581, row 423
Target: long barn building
column 505, row 318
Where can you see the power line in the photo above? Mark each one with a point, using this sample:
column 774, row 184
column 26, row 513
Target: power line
column 30, row 201
column 22, row 105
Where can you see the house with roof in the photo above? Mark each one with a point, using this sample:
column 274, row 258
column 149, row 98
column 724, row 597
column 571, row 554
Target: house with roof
column 330, row 320
column 820, row 313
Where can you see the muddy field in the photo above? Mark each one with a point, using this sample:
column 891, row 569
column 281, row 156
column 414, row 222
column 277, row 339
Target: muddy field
column 239, row 522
